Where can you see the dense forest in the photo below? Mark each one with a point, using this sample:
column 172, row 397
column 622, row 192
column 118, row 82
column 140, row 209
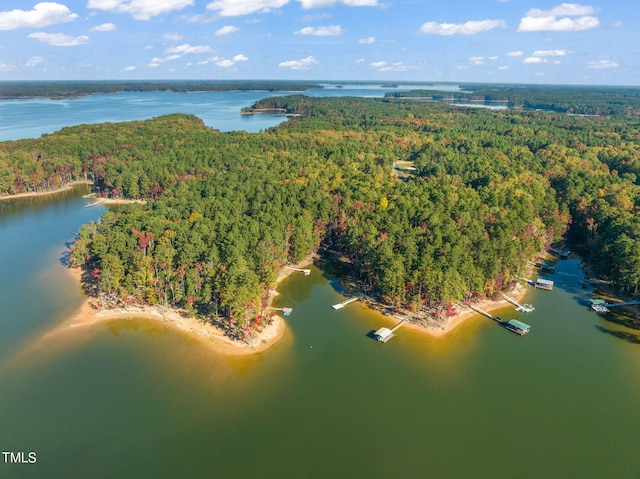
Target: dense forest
column 71, row 89
column 490, row 190
column 577, row 100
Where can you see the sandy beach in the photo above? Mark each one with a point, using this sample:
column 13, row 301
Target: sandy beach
column 89, row 315
column 31, row 194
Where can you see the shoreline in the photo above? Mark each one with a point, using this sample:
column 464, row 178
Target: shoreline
column 33, row 194
column 437, row 328
column 90, row 315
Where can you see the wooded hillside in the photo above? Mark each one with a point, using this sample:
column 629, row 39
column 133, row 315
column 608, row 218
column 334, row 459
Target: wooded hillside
column 226, row 210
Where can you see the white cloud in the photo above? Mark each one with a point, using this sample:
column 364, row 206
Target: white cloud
column 602, row 64
column 140, row 9
column 360, row 60
column 302, row 64
column 558, row 19
column 534, row 60
column 175, row 37
column 567, row 9
column 225, row 62
column 551, row 53
column 157, row 61
column 105, row 27
column 503, row 67
column 383, row 66
column 477, row 60
column 232, row 8
column 517, row 53
column 186, row 49
column 59, row 39
column 42, row 15
column 367, row 41
column 330, row 31
column 308, row 4
column 468, row 28
column 226, row 30
column 33, row 61
column 130, row 68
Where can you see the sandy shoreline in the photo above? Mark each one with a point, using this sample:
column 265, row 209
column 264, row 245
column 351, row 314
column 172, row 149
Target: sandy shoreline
column 33, row 194
column 89, row 315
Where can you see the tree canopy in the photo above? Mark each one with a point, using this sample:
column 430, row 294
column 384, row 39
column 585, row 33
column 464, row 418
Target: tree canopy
column 225, row 211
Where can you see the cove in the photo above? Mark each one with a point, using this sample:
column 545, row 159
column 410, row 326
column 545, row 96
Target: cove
column 135, row 399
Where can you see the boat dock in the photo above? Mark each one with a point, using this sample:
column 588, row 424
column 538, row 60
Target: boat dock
column 285, row 311
column 517, row 327
column 545, row 266
column 385, row 334
column 306, row 272
column 562, row 252
column 95, row 203
column 88, row 195
column 524, row 308
column 347, row 301
column 600, row 306
column 544, row 284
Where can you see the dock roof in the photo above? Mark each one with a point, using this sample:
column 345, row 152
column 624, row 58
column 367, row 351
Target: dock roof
column 518, row 324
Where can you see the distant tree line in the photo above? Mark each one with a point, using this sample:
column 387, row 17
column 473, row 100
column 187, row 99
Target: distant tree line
column 225, row 211
column 70, row 89
column 577, row 100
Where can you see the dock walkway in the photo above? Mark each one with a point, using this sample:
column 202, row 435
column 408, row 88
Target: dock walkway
column 347, row 301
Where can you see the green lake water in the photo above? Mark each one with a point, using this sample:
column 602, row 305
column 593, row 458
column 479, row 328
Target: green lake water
column 132, row 399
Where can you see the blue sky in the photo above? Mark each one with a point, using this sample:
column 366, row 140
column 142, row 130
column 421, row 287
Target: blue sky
column 523, row 41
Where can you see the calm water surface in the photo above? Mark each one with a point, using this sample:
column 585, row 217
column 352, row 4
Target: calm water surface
column 134, row 399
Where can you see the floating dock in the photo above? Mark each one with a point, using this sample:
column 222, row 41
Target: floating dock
column 524, row 308
column 306, row 272
column 88, row 195
column 95, row 203
column 346, row 302
column 544, row 284
column 385, row 334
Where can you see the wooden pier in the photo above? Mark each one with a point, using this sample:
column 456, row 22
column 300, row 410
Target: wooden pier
column 95, row 203
column 285, row 311
column 306, row 272
column 524, row 308
column 347, row 301
column 483, row 312
column 385, row 334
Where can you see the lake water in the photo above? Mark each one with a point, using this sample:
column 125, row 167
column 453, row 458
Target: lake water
column 221, row 110
column 132, row 399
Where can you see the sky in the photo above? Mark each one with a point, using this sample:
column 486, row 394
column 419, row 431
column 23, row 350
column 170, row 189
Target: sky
column 496, row 41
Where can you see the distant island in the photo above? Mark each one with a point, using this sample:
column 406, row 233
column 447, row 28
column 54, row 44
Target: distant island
column 74, row 89
column 428, row 205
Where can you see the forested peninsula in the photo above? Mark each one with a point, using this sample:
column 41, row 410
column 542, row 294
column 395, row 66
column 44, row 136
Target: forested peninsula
column 225, row 211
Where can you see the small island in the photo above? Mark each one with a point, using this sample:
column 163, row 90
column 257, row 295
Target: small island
column 212, row 218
